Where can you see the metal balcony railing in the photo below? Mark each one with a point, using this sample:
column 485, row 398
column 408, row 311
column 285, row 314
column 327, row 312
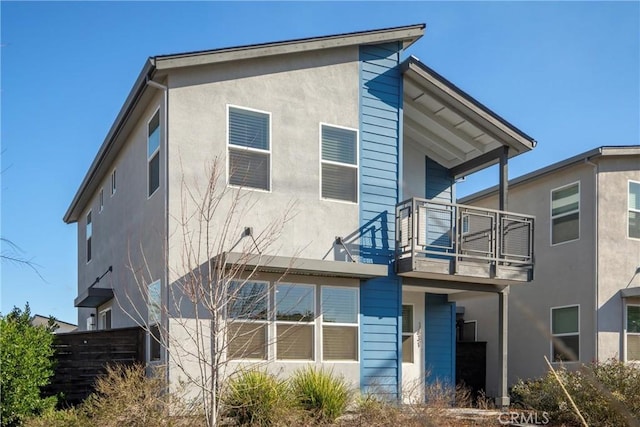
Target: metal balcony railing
column 440, row 230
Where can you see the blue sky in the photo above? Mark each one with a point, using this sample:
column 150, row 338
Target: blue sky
column 566, row 73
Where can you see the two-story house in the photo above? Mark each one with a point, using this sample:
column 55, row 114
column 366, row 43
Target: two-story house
column 584, row 302
column 361, row 145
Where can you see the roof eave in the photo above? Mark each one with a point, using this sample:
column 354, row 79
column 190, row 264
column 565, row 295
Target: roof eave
column 73, row 211
column 406, row 34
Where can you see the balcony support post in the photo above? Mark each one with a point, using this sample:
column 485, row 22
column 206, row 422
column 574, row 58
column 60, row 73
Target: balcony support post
column 502, row 401
column 504, row 177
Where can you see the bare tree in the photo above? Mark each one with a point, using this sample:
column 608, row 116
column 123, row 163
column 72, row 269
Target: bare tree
column 214, row 311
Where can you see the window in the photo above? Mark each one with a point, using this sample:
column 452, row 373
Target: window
column 249, row 160
column 113, row 182
column 339, row 323
column 89, row 233
column 153, row 153
column 565, row 332
column 634, row 210
column 633, row 332
column 154, row 305
column 565, row 214
column 105, row 319
column 101, row 199
column 407, row 334
column 295, row 315
column 339, row 165
column 468, row 331
column 247, row 309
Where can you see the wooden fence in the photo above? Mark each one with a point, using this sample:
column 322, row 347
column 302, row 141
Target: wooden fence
column 82, row 356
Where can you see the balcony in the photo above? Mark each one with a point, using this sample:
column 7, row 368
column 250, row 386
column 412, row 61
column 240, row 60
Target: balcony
column 450, row 242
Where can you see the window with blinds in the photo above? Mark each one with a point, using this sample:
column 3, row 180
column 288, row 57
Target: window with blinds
column 153, row 154
column 634, row 210
column 247, row 315
column 295, row 316
column 565, row 333
column 339, row 323
column 249, row 141
column 633, row 333
column 565, row 214
column 339, row 168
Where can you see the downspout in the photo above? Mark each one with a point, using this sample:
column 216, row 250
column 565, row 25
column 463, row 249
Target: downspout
column 165, row 152
column 595, row 236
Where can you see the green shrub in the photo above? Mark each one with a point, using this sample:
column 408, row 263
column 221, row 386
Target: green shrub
column 26, row 365
column 60, row 418
column 606, row 394
column 256, row 398
column 319, row 392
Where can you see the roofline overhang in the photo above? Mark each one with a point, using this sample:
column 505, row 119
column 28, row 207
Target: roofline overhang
column 603, row 151
column 407, row 34
column 462, row 101
column 242, row 262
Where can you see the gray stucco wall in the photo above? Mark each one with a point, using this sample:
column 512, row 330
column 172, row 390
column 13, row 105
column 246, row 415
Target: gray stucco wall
column 299, row 93
column 128, row 234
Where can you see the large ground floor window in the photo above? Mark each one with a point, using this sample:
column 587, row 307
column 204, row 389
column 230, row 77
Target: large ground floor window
column 292, row 321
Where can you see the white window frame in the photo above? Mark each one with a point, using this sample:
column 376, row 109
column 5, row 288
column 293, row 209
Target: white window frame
column 627, row 333
column 101, row 200
column 102, row 317
column 410, row 334
column 88, row 236
column 266, row 322
column 354, row 325
column 551, row 358
column 629, row 209
column 552, row 217
column 156, row 151
column 475, row 329
column 311, row 323
column 250, row 149
column 154, row 322
column 329, row 162
column 113, row 182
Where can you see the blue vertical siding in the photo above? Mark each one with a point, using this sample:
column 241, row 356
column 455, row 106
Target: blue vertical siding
column 380, row 134
column 440, row 339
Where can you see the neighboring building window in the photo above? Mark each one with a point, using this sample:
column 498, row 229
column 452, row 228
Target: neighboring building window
column 565, row 214
column 633, row 333
column 339, row 323
column 565, row 332
column 339, row 165
column 634, row 210
column 247, row 309
column 101, row 199
column 153, row 154
column 89, row 233
column 249, row 163
column 113, row 182
column 295, row 315
column 407, row 333
column 154, row 305
column 105, row 319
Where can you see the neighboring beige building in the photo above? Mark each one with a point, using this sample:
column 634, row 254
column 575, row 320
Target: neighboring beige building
column 60, row 326
column 584, row 301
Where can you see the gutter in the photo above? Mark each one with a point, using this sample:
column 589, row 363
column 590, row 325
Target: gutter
column 148, row 70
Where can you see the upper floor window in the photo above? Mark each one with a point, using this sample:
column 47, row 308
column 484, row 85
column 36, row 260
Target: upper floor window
column 153, row 153
column 339, row 169
column 89, row 233
column 565, row 214
column 565, row 333
column 113, row 182
column 249, row 141
column 633, row 332
column 101, row 199
column 634, row 210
